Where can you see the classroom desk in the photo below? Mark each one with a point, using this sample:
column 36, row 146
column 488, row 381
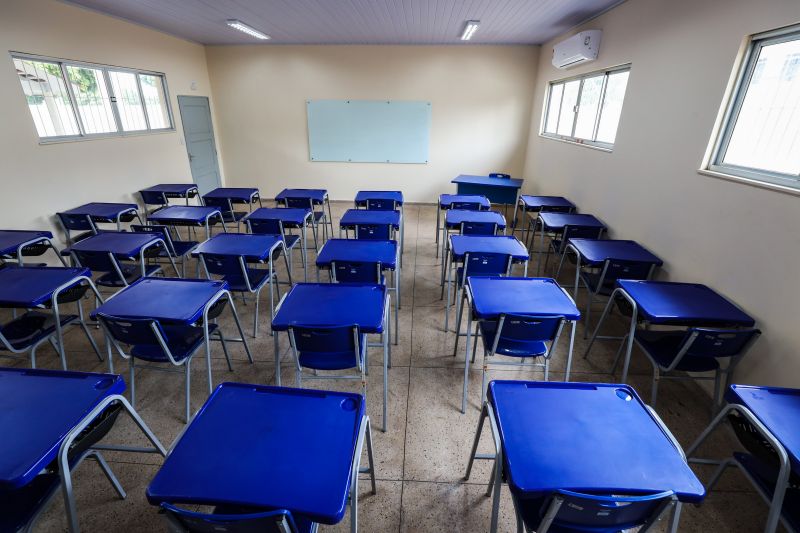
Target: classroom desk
column 352, row 217
column 109, row 213
column 290, row 218
column 45, row 411
column 490, row 297
column 337, row 304
column 173, row 301
column 175, row 190
column 124, row 245
column 453, row 218
column 14, row 242
column 587, row 437
column 774, row 412
column 672, row 304
column 190, row 215
column 301, row 449
column 38, row 287
column 383, row 252
column 497, row 190
column 446, row 202
column 535, row 204
column 555, row 223
column 314, row 197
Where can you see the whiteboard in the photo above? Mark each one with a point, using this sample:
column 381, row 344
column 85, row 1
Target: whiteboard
column 369, row 131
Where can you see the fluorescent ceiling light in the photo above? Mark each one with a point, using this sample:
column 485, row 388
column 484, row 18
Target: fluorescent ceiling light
column 244, row 28
column 469, row 29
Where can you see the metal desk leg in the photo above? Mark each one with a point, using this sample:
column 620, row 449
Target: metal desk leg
column 466, row 362
column 571, row 346
column 386, row 336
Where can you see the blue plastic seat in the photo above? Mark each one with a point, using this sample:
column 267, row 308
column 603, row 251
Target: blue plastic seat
column 235, row 520
column 81, row 223
column 153, row 198
column 177, row 250
column 329, row 348
column 115, row 274
column 381, row 204
column 479, row 228
column 274, row 226
column 566, row 511
column 357, row 272
column 226, row 208
column 148, row 340
column 695, row 350
column 374, row 232
column 764, row 476
column 25, row 333
column 518, row 337
column 466, row 206
column 317, row 217
column 559, row 243
column 475, row 264
column 602, row 282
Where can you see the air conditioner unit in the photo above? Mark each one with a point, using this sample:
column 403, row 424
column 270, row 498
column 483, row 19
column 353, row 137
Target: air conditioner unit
column 580, row 48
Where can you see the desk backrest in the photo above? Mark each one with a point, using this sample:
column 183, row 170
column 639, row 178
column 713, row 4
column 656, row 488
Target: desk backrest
column 374, row 232
column 710, row 342
column 381, row 204
column 356, row 272
column 478, row 228
column 280, row 521
column 153, row 198
column 266, row 226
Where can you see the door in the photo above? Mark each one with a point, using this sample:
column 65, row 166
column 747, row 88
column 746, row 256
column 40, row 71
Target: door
column 200, row 145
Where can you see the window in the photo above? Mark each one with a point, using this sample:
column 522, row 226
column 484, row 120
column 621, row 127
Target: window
column 586, row 109
column 71, row 100
column 759, row 135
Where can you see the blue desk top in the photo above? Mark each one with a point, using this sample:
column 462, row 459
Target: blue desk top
column 664, row 302
column 121, row 243
column 585, row 437
column 486, row 180
column 392, row 196
column 261, row 446
column 534, row 203
column 596, row 251
column 493, row 296
column 170, row 300
column 173, row 188
column 454, row 217
column 333, row 304
column 103, row 211
column 557, row 221
column 316, row 195
column 241, row 194
column 352, row 217
column 287, row 215
column 12, row 239
column 503, row 244
column 777, row 408
column 39, row 408
column 33, row 286
column 383, row 252
column 251, row 247
column 446, row 200
column 184, row 213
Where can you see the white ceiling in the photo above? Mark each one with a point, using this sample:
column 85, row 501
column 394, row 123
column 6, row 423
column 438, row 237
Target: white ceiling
column 357, row 21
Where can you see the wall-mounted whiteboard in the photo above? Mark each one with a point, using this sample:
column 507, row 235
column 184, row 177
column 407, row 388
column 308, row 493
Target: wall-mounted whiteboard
column 369, row 131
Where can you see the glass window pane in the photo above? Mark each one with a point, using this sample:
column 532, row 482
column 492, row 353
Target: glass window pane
column 553, row 106
column 612, row 106
column 567, row 118
column 48, row 98
column 92, row 99
column 155, row 102
column 766, row 134
column 129, row 104
column 587, row 110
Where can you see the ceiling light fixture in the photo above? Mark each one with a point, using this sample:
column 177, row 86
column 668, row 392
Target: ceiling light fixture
column 469, row 29
column 244, row 28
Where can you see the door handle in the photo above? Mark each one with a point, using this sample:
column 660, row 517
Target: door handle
column 191, row 157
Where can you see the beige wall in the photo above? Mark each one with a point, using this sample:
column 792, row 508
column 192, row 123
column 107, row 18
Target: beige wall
column 741, row 240
column 39, row 180
column 481, row 98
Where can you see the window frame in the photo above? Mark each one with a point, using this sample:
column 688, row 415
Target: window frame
column 104, row 69
column 731, row 107
column 598, row 114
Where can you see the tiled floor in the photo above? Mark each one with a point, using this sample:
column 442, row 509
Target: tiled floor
column 421, row 459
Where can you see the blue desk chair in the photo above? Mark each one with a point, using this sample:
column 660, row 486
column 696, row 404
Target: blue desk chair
column 374, row 232
column 115, row 274
column 381, row 204
column 558, row 243
column 323, row 348
column 318, row 218
column 244, row 279
column 81, row 223
column 500, row 175
column 517, row 337
column 229, row 521
column 357, row 272
column 565, row 511
column 475, row 264
column 226, row 208
column 176, row 249
column 478, row 228
column 154, row 343
column 695, row 350
column 466, row 206
column 274, row 226
column 153, row 198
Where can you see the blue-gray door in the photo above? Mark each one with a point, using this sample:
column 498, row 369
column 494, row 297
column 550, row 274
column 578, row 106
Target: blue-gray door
column 199, row 134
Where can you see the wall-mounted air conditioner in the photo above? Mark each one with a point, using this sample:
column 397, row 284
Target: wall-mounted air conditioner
column 578, row 49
